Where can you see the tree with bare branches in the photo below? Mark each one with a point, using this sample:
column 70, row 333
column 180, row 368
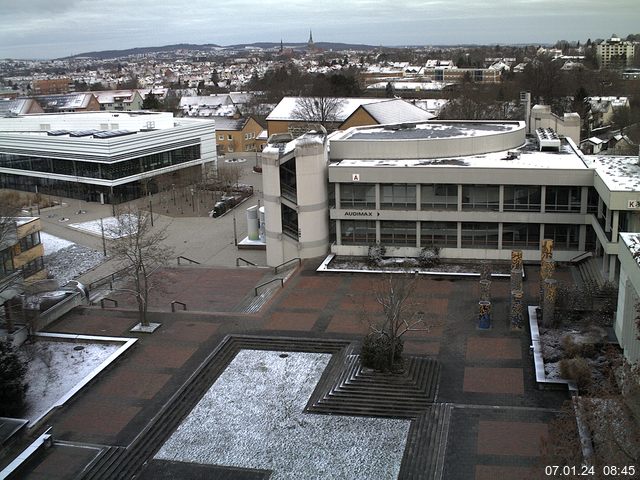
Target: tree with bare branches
column 10, row 279
column 395, row 293
column 323, row 110
column 141, row 250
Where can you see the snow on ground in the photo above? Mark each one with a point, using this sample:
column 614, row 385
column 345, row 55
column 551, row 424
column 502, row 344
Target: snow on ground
column 252, row 417
column 71, row 262
column 52, row 243
column 55, row 368
column 93, row 227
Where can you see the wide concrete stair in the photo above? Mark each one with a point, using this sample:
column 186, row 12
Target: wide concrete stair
column 424, row 453
column 590, row 272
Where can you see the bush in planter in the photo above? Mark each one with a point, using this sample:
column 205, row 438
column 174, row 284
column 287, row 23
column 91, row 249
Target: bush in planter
column 578, row 370
column 429, row 257
column 376, row 352
column 376, row 254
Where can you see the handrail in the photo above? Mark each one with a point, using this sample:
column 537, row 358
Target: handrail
column 298, row 259
column 102, row 300
column 245, row 261
column 187, row 259
column 107, row 279
column 173, row 305
column 255, row 290
column 580, row 257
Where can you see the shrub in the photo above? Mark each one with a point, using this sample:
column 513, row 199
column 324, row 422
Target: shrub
column 376, row 352
column 376, row 254
column 429, row 257
column 12, row 386
column 578, row 370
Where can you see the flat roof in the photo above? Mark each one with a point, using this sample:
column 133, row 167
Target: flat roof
column 431, row 130
column 530, row 157
column 618, row 173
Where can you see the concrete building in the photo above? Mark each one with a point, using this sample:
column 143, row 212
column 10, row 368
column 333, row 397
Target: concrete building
column 101, row 156
column 475, row 189
column 615, row 53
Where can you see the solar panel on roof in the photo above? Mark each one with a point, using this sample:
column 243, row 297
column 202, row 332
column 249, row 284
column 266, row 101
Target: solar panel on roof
column 83, row 133
column 57, row 133
column 112, row 133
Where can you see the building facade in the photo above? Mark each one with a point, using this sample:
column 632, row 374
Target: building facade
column 105, row 157
column 615, row 53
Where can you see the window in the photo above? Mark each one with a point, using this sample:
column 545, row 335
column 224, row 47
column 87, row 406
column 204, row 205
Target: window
column 438, row 234
column 33, row 267
column 358, row 232
column 520, row 235
column 221, row 137
column 480, row 197
column 565, row 237
column 29, row 241
column 361, row 195
column 229, row 137
column 290, row 222
column 479, row 235
column 521, row 198
column 592, row 201
column 439, row 197
column 230, row 148
column 399, row 234
column 562, row 199
column 398, row 196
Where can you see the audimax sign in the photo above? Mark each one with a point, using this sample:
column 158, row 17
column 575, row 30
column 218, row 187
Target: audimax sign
column 361, row 213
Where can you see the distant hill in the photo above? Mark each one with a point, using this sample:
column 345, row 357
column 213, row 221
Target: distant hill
column 142, row 50
column 211, row 46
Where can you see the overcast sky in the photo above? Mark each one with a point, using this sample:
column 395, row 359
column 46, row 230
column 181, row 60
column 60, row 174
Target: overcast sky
column 56, row 28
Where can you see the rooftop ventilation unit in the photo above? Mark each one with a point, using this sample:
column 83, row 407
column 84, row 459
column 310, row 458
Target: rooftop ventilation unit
column 400, row 126
column 547, row 138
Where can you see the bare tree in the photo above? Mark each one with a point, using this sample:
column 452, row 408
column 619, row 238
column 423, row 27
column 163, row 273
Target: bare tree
column 323, row 110
column 395, row 293
column 141, row 250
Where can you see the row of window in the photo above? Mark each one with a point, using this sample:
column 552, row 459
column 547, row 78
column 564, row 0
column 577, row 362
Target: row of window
column 474, row 197
column 33, row 267
column 106, row 171
column 29, row 241
column 445, row 234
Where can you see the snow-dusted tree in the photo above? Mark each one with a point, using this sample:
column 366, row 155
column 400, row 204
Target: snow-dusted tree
column 323, row 110
column 140, row 248
column 10, row 280
column 402, row 313
column 12, row 386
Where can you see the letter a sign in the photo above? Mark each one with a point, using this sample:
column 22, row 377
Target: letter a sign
column 355, row 177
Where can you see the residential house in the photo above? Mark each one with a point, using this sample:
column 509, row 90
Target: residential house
column 70, row 102
column 19, row 106
column 238, row 135
column 119, row 100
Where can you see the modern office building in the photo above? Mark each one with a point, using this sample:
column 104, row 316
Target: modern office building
column 103, row 156
column 474, row 189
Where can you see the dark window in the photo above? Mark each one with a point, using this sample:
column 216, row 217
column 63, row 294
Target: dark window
column 438, row 234
column 479, row 235
column 358, row 232
column 398, row 196
column 6, row 262
column 480, row 197
column 439, row 197
column 33, row 267
column 562, row 199
column 358, row 195
column 396, row 233
column 521, row 198
column 592, row 201
column 290, row 222
column 288, row 185
column 520, row 235
column 565, row 237
column 29, row 241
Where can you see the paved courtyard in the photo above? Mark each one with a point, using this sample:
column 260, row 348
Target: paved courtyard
column 498, row 415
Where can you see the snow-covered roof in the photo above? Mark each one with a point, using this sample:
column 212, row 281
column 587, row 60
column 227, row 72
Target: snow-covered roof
column 228, row 123
column 530, row 157
column 618, row 173
column 65, row 101
column 417, row 86
column 396, row 111
column 109, row 96
column 284, row 110
column 17, row 106
column 632, row 241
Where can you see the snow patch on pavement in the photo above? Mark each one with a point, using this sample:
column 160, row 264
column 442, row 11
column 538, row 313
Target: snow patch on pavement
column 52, row 243
column 55, row 368
column 252, row 417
